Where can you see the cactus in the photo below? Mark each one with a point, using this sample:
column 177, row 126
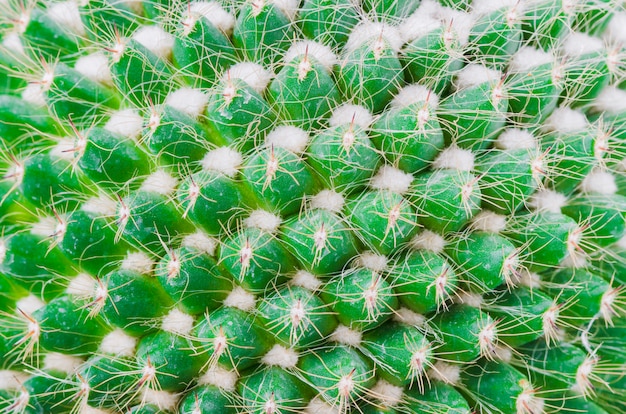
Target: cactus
column 312, row 206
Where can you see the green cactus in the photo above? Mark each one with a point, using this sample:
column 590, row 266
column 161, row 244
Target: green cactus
column 312, row 206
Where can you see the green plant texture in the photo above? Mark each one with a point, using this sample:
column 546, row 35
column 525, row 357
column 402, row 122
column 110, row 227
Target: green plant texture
column 312, row 206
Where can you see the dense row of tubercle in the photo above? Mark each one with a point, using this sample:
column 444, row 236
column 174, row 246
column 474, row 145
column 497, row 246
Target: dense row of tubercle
column 418, row 212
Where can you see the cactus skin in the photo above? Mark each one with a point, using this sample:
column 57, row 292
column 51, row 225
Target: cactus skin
column 312, row 207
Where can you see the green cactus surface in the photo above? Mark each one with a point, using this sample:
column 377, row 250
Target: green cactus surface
column 312, row 206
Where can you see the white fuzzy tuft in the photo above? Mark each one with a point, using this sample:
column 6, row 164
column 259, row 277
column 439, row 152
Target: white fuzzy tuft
column 219, row 377
column 547, row 200
column 428, row 240
column 460, row 21
column 611, row 100
column 201, row 242
column 241, row 299
column 372, row 261
column 138, row 262
column 12, row 380
column 95, row 67
column 421, row 22
column 63, row 149
column 101, row 205
column 348, row 113
column 33, row 94
column 574, row 260
column 489, row 221
column 482, row 7
column 118, row 343
column 281, row 357
column 45, row 227
column 215, row 13
column 165, row 400
column 188, row 100
column 255, row 75
column 447, row 373
column 389, row 395
column 82, row 285
column 455, row 158
column 413, row 94
column 224, row 160
column 621, row 243
column 155, row 39
column 565, row 120
column 392, row 179
column 328, row 200
column 306, row 280
column 318, row 406
column 87, row 409
column 475, row 74
column 346, row 336
column 67, row 15
column 374, row 32
column 55, row 361
column 615, row 33
column 29, row 304
column 289, row 7
column 3, row 250
column 514, row 139
column 13, row 42
column 529, row 279
column 126, row 122
column 475, row 300
column 502, row 353
column 528, row 58
column 289, row 137
column 578, row 44
column 159, row 182
column 263, row 220
column 407, row 316
column 177, row 322
column 599, row 182
column 320, row 52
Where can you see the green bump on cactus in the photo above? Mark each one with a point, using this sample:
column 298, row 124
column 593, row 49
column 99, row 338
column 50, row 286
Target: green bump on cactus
column 312, row 206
